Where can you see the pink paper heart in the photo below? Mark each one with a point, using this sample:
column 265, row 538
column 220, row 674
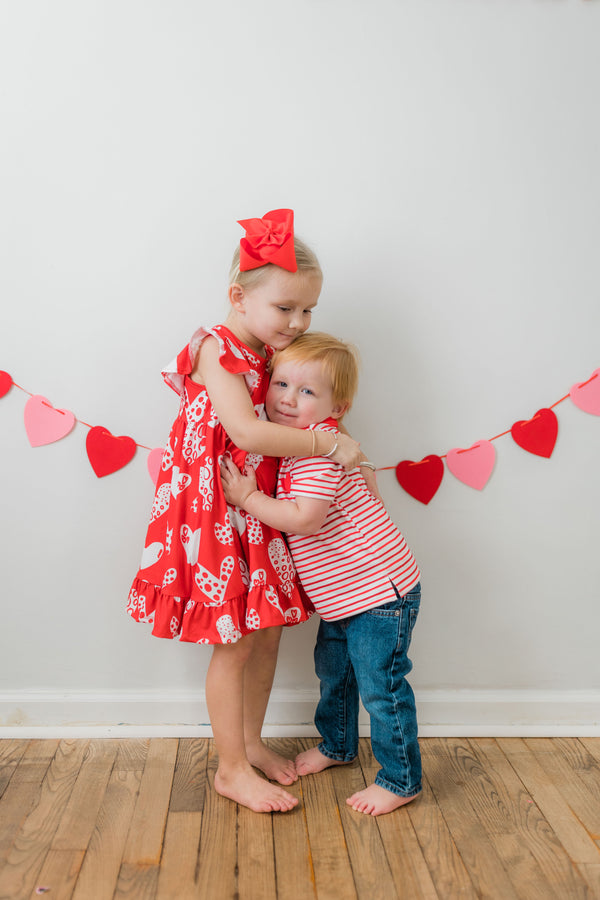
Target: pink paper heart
column 473, row 466
column 586, row 395
column 154, row 463
column 44, row 424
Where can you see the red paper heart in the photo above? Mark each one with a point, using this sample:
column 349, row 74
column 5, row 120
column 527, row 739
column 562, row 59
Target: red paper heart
column 537, row 435
column 108, row 452
column 421, row 479
column 5, row 383
column 44, row 424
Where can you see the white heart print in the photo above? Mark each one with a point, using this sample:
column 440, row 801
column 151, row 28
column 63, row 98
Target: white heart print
column 213, row 586
column 282, row 563
column 228, row 632
column 151, row 554
column 190, row 541
column 179, row 481
column 161, row 501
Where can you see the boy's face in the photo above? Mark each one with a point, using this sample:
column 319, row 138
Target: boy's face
column 300, row 394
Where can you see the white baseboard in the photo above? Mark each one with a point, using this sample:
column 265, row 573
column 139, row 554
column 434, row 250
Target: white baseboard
column 457, row 713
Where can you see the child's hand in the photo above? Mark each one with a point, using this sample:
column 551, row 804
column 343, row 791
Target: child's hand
column 236, row 487
column 348, row 452
column 371, row 482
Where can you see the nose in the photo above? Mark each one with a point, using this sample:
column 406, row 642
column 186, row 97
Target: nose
column 288, row 397
column 295, row 320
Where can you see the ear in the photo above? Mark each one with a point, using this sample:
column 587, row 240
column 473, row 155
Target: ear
column 236, row 296
column 339, row 410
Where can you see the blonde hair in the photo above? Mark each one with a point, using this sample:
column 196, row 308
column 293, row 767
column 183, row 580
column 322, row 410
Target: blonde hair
column 305, row 258
column 340, row 361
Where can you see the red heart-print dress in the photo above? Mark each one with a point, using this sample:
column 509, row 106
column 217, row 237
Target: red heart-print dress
column 210, row 573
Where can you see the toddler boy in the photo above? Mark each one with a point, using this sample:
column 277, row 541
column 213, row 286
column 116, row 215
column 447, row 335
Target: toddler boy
column 357, row 570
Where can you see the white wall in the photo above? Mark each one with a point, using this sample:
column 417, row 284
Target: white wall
column 442, row 158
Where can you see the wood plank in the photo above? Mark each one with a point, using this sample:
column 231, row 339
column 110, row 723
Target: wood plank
column 444, row 862
column 255, row 853
column 190, row 781
column 136, row 881
column 145, row 838
column 23, row 791
column 11, row 753
column 400, row 849
column 569, row 831
column 179, row 862
column 293, row 860
column 591, row 875
column 79, row 819
column 100, row 869
column 35, row 762
column 534, row 859
column 332, row 866
column 59, row 873
column 448, row 762
column 592, row 745
column 370, row 868
column 217, row 859
column 34, row 837
column 576, row 774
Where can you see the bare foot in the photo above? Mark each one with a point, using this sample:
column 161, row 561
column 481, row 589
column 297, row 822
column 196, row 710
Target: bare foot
column 376, row 801
column 246, row 787
column 310, row 761
column 274, row 766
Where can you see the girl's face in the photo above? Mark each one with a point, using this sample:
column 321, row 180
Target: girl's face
column 300, row 394
column 277, row 309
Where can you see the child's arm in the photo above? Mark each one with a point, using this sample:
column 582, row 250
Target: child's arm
column 302, row 515
column 367, row 472
column 231, row 401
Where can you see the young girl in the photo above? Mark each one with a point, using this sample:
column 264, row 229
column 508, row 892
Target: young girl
column 210, row 575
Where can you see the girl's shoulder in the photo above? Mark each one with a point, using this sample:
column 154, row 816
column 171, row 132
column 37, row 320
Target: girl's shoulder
column 234, row 356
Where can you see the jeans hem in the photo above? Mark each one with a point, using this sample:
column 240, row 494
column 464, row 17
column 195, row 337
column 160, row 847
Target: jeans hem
column 337, row 756
column 412, row 792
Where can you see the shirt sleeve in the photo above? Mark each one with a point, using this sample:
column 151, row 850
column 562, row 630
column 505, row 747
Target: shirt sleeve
column 315, row 477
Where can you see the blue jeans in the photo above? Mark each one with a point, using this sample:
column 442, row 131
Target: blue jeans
column 367, row 655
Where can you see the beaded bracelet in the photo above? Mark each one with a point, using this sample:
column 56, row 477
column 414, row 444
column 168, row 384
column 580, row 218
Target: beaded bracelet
column 368, row 465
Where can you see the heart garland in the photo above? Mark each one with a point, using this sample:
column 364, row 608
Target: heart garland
column 473, row 466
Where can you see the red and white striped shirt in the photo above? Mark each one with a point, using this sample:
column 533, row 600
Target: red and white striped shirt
column 349, row 565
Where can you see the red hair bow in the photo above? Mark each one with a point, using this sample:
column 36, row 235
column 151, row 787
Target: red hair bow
column 269, row 240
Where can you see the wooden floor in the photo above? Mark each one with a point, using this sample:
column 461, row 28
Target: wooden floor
column 498, row 818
